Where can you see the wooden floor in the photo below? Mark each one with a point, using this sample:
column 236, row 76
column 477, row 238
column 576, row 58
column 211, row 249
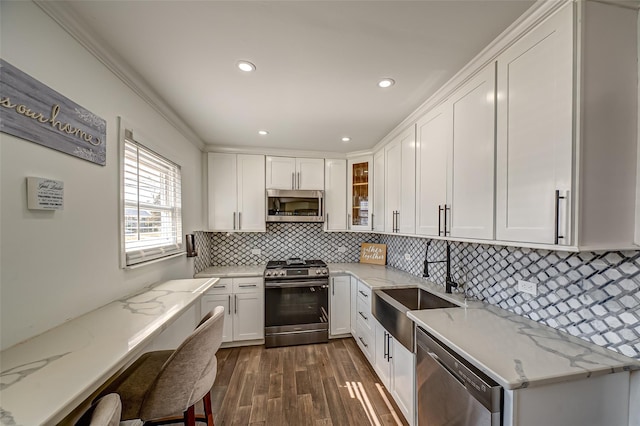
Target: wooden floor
column 323, row 384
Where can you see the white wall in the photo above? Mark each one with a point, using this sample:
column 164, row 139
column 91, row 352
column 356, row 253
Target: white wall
column 58, row 265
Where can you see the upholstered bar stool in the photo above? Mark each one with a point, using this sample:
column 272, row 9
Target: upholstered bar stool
column 163, row 387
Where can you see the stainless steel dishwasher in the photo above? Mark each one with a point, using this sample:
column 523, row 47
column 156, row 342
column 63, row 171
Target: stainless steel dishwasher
column 451, row 391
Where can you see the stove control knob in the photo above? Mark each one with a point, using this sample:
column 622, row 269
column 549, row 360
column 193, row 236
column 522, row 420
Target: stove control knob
column 325, row 272
column 318, row 271
column 267, row 274
column 282, row 273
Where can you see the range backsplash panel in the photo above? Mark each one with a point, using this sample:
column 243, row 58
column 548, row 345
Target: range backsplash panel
column 281, row 241
column 592, row 295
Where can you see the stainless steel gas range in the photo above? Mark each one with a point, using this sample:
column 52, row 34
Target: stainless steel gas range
column 296, row 302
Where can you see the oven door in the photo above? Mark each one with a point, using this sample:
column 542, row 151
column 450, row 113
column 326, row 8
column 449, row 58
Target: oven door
column 296, row 312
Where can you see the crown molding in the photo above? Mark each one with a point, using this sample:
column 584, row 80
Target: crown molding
column 538, row 12
column 64, row 16
column 276, row 152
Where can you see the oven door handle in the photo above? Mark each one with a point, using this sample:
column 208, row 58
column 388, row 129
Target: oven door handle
column 323, row 284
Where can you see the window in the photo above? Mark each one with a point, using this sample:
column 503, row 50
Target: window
column 151, row 211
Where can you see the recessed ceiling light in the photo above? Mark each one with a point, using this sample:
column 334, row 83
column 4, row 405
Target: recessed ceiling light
column 263, row 132
column 246, row 66
column 346, row 139
column 386, row 82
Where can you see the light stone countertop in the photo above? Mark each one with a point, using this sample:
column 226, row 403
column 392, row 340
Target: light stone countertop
column 232, row 271
column 515, row 351
column 518, row 352
column 44, row 378
column 383, row 277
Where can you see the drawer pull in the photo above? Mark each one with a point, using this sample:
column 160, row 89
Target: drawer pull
column 247, row 285
column 363, row 293
column 363, row 342
column 363, row 316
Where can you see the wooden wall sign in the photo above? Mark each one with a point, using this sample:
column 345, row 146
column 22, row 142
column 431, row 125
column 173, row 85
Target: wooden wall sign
column 373, row 253
column 33, row 111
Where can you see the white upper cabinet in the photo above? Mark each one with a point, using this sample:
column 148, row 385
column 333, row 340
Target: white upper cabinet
column 335, row 194
column 535, row 135
column 567, row 118
column 294, row 173
column 377, row 215
column 433, row 140
column 359, row 193
column 280, row 172
column 455, row 163
column 470, row 196
column 236, row 192
column 400, row 178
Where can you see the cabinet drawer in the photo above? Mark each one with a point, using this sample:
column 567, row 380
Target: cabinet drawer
column 223, row 286
column 364, row 292
column 363, row 313
column 247, row 285
column 365, row 339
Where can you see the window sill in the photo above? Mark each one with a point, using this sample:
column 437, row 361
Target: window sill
column 160, row 259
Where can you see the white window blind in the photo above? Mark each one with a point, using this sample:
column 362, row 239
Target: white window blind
column 152, row 215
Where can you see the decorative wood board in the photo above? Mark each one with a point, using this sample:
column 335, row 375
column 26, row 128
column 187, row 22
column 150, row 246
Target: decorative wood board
column 373, row 253
column 33, row 111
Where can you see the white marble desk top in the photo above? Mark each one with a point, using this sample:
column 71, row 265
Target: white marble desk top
column 517, row 352
column 44, row 378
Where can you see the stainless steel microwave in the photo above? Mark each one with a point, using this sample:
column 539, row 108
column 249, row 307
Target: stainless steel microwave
column 294, row 206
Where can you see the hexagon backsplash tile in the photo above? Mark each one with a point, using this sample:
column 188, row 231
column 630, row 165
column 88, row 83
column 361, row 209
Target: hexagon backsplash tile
column 592, row 295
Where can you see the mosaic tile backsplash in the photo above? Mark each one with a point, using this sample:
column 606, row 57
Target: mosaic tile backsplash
column 281, row 241
column 592, row 295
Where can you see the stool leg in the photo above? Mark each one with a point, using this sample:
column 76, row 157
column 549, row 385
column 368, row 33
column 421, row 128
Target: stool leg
column 208, row 412
column 190, row 416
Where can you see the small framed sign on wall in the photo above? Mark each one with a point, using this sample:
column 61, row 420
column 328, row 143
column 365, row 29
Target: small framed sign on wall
column 373, row 253
column 45, row 194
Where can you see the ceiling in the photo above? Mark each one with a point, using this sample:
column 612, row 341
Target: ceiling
column 318, row 62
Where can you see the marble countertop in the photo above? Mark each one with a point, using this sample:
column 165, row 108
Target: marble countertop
column 231, row 271
column 517, row 352
column 383, row 277
column 513, row 350
column 42, row 379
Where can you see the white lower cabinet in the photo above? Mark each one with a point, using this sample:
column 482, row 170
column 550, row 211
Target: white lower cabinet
column 210, row 301
column 340, row 305
column 382, row 357
column 396, row 366
column 393, row 363
column 243, row 301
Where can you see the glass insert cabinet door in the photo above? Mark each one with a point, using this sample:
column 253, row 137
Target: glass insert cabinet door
column 360, row 179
